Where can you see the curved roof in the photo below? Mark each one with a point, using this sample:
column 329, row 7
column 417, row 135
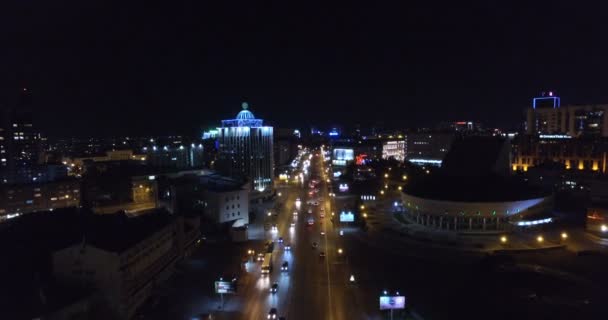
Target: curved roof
column 245, row 115
column 243, row 119
column 488, row 188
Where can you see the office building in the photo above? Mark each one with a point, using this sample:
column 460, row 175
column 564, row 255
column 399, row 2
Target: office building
column 547, row 116
column 180, row 156
column 286, row 143
column 428, row 148
column 20, row 144
column 585, row 153
column 246, row 150
column 16, row 200
column 123, row 258
column 393, row 149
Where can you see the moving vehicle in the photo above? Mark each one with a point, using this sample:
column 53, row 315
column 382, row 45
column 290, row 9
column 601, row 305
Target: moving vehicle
column 284, row 266
column 267, row 264
column 314, row 245
column 311, row 221
column 280, row 239
column 274, row 288
column 274, row 228
column 292, row 225
column 321, row 254
column 287, row 247
column 272, row 314
column 322, row 233
column 260, row 257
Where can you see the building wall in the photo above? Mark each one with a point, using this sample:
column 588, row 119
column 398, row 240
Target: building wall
column 574, row 153
column 571, row 120
column 428, row 146
column 21, row 199
column 126, row 279
column 228, row 206
column 248, row 152
column 394, row 149
column 487, row 215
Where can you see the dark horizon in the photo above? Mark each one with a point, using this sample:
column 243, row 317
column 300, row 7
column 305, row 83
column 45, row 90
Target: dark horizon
column 114, row 69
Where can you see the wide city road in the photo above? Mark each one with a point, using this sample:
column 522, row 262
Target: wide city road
column 315, row 286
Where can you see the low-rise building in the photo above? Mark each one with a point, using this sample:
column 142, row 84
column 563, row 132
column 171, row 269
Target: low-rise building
column 16, row 200
column 124, row 258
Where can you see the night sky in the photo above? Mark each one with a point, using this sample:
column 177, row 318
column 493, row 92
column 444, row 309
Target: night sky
column 133, row 67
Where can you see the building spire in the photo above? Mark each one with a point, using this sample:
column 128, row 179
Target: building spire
column 245, row 105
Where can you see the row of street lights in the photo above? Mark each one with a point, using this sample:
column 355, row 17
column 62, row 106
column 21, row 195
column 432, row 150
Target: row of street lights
column 539, row 238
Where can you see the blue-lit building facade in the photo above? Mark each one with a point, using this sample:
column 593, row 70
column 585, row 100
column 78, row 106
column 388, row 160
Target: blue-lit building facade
column 246, row 150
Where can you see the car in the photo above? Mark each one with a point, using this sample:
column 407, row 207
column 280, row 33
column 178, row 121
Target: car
column 280, row 239
column 321, row 254
column 272, row 314
column 284, row 266
column 314, row 245
column 260, row 257
column 287, row 247
column 315, row 203
column 295, row 213
column 274, row 288
column 311, row 221
column 322, row 215
column 292, row 225
column 274, row 228
column 322, row 233
column 310, row 210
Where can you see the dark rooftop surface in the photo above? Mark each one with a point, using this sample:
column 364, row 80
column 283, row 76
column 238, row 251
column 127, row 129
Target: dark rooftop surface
column 473, row 155
column 488, row 188
column 118, row 232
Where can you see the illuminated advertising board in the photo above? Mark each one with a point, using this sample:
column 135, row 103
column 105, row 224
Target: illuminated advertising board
column 392, row 302
column 344, row 154
column 347, row 216
column 224, row 287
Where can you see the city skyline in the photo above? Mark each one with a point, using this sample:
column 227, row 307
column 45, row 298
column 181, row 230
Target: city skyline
column 182, row 67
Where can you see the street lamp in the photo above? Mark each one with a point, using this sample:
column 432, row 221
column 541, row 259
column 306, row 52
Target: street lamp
column 503, row 239
column 386, row 175
column 340, row 251
column 604, row 228
column 279, row 194
column 381, row 191
column 540, row 239
column 269, row 213
column 404, row 177
column 399, row 188
column 364, row 215
column 564, row 236
column 362, row 207
column 386, row 186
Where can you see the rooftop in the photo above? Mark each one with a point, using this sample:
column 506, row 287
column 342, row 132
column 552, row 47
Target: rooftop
column 118, row 232
column 487, row 188
column 243, row 119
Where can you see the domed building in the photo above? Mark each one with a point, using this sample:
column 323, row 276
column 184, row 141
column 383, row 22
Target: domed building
column 474, row 192
column 246, row 150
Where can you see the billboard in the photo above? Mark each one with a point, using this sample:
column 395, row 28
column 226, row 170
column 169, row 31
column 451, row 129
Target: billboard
column 225, row 287
column 347, row 216
column 392, row 302
column 344, row 154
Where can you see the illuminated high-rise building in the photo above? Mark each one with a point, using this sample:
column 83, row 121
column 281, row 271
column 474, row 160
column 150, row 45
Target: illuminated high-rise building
column 547, row 116
column 246, row 150
column 20, row 143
